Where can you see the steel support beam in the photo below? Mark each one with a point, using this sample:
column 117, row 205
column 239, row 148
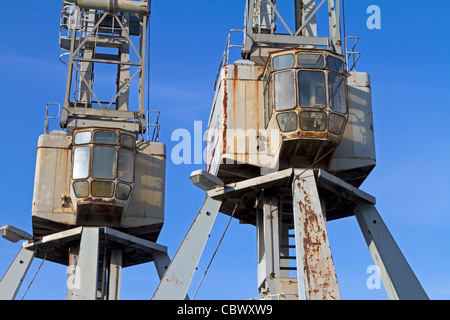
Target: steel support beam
column 13, row 278
column 398, row 278
column 115, row 274
column 305, row 11
column 315, row 268
column 83, row 267
column 162, row 262
column 268, row 242
column 176, row 281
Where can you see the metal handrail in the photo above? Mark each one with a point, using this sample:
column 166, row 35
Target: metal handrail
column 47, row 117
column 226, row 53
column 156, row 125
column 352, row 53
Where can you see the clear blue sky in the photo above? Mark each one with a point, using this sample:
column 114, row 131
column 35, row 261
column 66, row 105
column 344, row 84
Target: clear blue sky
column 406, row 59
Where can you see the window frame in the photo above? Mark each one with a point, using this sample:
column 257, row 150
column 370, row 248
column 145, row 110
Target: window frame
column 324, row 60
column 272, row 80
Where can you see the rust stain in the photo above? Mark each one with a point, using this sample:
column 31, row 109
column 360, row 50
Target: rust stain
column 225, row 114
column 319, row 270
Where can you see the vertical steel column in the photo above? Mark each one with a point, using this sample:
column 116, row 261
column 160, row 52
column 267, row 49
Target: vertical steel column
column 335, row 24
column 83, row 267
column 303, row 10
column 268, row 242
column 13, row 278
column 143, row 46
column 398, row 278
column 315, row 268
column 86, row 68
column 115, row 274
column 123, row 71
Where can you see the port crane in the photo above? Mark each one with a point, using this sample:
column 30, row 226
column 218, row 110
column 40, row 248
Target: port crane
column 290, row 141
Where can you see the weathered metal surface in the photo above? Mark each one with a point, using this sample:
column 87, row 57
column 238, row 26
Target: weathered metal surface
column 398, row 278
column 14, row 276
column 55, row 246
column 51, row 197
column 355, row 157
column 55, row 206
column 243, row 132
column 315, row 268
column 115, row 6
column 147, row 202
column 236, row 117
column 83, row 267
column 14, row 234
column 176, row 281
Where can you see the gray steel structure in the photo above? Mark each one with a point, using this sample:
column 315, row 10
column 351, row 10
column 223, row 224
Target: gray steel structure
column 98, row 202
column 271, row 166
column 292, row 177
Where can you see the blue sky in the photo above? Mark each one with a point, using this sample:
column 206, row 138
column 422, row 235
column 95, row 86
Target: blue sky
column 407, row 62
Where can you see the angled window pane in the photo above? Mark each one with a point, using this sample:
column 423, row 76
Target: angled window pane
column 335, row 64
column 81, row 189
column 104, row 162
column 336, row 87
column 123, row 191
column 284, row 90
column 83, row 137
column 310, row 60
column 125, row 140
column 105, row 137
column 102, row 189
column 311, row 87
column 81, row 157
column 287, row 121
column 283, row 62
column 336, row 123
column 125, row 167
column 313, row 121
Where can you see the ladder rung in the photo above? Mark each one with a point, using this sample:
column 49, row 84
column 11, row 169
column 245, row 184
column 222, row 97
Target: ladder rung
column 288, row 257
column 288, row 268
column 290, row 246
column 288, row 235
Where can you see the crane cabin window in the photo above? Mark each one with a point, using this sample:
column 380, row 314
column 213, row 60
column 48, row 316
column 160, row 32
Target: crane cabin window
column 310, row 60
column 335, row 64
column 284, row 90
column 336, row 88
column 103, row 189
column 104, row 162
column 125, row 140
column 287, row 121
column 83, row 137
column 81, row 159
column 123, row 191
column 313, row 121
column 105, row 137
column 81, row 189
column 285, row 61
column 311, row 87
column 336, row 123
column 125, row 165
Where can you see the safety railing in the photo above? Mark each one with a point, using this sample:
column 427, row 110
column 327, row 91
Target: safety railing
column 226, row 53
column 156, row 126
column 352, row 54
column 47, row 117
